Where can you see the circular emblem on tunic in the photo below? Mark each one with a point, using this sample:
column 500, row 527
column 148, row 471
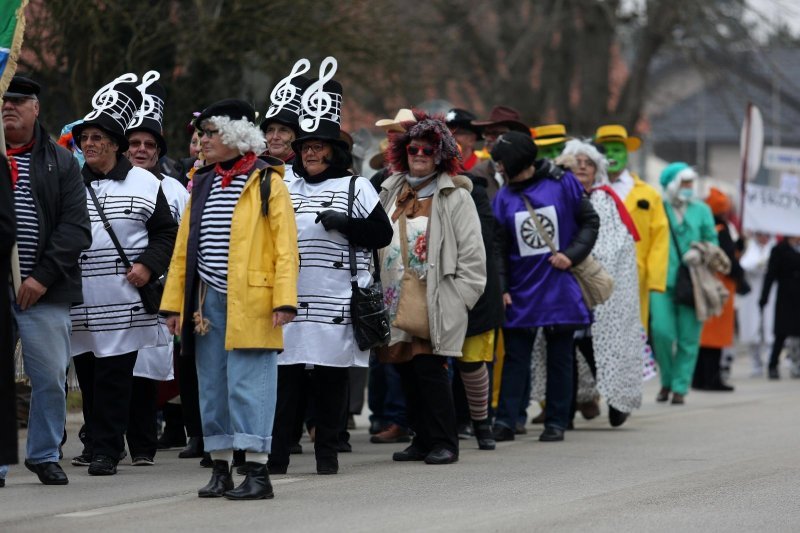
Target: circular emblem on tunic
column 531, row 236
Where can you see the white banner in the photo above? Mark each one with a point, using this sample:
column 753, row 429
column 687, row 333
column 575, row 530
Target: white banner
column 771, row 210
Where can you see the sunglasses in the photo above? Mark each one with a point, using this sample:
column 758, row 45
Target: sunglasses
column 148, row 145
column 414, row 150
column 206, row 133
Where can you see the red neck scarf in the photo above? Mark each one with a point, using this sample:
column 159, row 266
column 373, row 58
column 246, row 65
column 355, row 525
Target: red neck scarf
column 242, row 166
column 623, row 211
column 12, row 162
column 470, row 162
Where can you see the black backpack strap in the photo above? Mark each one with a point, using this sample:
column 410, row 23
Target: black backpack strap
column 352, row 249
column 266, row 188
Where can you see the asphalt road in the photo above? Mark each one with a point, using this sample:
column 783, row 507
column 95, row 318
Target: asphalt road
column 723, row 462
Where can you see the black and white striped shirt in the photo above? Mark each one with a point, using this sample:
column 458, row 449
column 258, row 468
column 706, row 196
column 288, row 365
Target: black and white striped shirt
column 215, row 232
column 27, row 218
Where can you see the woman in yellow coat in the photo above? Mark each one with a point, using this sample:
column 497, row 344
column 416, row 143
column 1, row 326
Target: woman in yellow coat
column 232, row 285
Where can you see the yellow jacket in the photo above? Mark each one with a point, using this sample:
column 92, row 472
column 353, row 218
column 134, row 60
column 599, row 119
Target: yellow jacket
column 263, row 263
column 652, row 251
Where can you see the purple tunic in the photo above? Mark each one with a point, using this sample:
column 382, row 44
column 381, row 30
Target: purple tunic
column 541, row 295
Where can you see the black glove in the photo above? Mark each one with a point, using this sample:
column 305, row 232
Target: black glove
column 332, row 220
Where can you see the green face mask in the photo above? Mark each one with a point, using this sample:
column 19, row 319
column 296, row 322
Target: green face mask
column 552, row 151
column 617, row 155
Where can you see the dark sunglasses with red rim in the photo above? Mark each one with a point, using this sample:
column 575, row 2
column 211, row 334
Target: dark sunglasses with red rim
column 414, row 150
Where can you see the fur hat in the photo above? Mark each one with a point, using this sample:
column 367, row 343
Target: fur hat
column 516, row 151
column 429, row 128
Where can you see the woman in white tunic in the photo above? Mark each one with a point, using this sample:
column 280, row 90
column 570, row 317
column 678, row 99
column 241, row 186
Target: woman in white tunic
column 322, row 333
column 756, row 324
column 112, row 325
column 146, row 147
column 614, row 345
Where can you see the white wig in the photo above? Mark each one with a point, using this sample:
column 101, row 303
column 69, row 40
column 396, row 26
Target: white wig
column 575, row 148
column 240, row 134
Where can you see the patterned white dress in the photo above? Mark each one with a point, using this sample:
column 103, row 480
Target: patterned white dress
column 618, row 338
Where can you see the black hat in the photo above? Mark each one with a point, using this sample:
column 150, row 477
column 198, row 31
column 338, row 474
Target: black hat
column 461, row 118
column 150, row 116
column 22, row 87
column 321, row 110
column 516, row 151
column 232, row 108
column 114, row 106
column 285, row 98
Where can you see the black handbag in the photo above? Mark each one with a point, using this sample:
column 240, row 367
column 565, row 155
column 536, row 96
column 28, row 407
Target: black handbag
column 367, row 310
column 151, row 292
column 683, row 292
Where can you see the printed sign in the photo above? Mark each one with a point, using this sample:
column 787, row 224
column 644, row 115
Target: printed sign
column 771, row 210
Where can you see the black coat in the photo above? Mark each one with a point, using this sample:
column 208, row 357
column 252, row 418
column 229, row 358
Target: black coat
column 8, row 410
column 488, row 313
column 64, row 228
column 784, row 268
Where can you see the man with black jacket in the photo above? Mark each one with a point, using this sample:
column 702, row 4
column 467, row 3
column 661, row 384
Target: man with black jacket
column 8, row 410
column 52, row 229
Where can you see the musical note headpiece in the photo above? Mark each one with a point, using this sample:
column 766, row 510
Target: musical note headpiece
column 285, row 98
column 321, row 108
column 113, row 108
column 150, row 115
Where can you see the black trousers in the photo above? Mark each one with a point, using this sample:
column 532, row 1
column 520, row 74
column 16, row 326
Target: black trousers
column 190, row 397
column 142, row 424
column 429, row 397
column 586, row 348
column 329, row 393
column 106, row 385
column 777, row 348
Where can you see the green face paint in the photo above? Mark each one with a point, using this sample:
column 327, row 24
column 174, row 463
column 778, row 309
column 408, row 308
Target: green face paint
column 552, row 151
column 617, row 155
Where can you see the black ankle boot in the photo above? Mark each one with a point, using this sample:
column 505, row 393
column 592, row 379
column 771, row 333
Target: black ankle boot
column 256, row 485
column 484, row 435
column 221, row 481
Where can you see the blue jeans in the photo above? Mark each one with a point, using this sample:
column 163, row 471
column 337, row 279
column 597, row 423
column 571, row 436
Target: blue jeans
column 516, row 375
column 45, row 329
column 385, row 394
column 238, row 388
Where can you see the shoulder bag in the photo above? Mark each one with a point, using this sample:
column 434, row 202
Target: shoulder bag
column 683, row 292
column 367, row 310
column 596, row 284
column 152, row 291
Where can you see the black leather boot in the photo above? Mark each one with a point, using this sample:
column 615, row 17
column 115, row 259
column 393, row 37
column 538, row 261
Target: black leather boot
column 193, row 449
column 256, row 485
column 484, row 435
column 221, row 481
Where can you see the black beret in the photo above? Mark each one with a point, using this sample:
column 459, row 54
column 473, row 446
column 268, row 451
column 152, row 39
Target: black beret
column 22, row 87
column 232, row 108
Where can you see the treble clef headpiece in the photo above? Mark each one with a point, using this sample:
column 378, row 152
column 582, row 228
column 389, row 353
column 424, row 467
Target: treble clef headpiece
column 113, row 108
column 321, row 108
column 284, row 100
column 150, row 115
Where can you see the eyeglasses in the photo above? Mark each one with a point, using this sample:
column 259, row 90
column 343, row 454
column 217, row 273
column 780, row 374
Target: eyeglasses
column 584, row 162
column 206, row 133
column 413, row 149
column 95, row 138
column 18, row 100
column 148, row 145
column 312, row 147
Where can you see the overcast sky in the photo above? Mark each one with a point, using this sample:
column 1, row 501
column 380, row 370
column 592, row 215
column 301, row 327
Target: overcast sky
column 771, row 11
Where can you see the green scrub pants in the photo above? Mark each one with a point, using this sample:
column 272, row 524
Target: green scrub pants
column 675, row 333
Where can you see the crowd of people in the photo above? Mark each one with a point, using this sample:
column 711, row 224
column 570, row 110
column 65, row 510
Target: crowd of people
column 216, row 292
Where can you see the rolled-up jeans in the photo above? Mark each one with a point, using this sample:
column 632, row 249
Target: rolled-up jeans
column 238, row 388
column 45, row 330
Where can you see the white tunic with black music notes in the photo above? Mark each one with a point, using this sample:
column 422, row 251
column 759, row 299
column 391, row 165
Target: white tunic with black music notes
column 322, row 332
column 111, row 320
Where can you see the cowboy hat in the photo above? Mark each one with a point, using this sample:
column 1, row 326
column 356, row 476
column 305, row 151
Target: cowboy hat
column 503, row 116
column 376, row 162
column 616, row 133
column 395, row 124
